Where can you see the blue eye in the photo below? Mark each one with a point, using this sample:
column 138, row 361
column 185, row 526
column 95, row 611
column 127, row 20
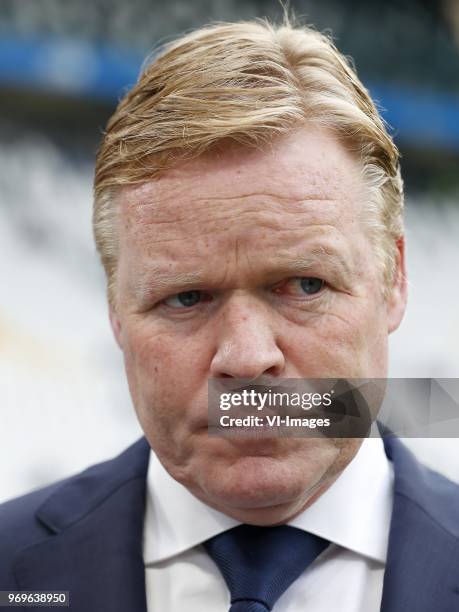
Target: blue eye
column 311, row 285
column 184, row 299
column 300, row 286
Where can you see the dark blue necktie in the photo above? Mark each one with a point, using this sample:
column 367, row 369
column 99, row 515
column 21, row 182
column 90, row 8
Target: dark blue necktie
column 260, row 563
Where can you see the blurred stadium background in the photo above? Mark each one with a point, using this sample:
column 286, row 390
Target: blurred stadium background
column 63, row 65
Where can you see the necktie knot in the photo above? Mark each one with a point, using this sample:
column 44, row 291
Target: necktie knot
column 260, row 563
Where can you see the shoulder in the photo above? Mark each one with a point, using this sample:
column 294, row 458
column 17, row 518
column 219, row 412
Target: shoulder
column 432, row 493
column 19, row 528
column 29, row 519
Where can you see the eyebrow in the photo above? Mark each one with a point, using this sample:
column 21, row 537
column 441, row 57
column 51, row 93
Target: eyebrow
column 156, row 280
column 318, row 256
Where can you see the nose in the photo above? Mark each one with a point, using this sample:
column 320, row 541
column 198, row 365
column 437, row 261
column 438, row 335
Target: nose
column 246, row 344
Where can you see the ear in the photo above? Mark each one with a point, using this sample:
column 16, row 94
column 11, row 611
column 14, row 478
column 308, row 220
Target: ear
column 116, row 325
column 397, row 298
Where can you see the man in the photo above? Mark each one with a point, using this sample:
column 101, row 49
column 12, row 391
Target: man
column 248, row 213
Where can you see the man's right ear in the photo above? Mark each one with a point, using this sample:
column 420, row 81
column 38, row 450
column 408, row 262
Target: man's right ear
column 116, row 325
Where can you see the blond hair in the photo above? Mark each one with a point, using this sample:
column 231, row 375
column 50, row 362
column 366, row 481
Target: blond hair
column 246, row 82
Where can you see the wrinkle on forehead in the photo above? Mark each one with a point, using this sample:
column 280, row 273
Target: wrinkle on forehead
column 257, row 201
column 306, row 165
column 209, row 214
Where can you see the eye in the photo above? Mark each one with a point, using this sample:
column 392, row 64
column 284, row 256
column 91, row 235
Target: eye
column 311, row 285
column 186, row 299
column 301, row 286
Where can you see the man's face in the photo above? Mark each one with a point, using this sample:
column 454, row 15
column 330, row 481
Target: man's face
column 251, row 265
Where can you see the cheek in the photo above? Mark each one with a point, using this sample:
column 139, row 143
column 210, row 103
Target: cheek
column 164, row 371
column 158, row 389
column 145, row 371
column 149, row 347
column 351, row 342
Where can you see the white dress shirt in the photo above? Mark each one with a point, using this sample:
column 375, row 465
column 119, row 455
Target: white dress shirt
column 353, row 514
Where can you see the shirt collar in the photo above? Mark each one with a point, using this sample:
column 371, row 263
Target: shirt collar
column 353, row 513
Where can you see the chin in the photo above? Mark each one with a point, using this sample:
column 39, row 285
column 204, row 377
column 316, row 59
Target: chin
column 259, row 489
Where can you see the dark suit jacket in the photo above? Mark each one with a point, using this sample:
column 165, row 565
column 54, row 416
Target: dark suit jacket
column 84, row 535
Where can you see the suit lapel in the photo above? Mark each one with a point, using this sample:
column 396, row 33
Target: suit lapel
column 422, row 571
column 94, row 549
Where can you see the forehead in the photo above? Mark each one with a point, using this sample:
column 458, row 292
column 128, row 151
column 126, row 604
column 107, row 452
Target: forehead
column 307, row 165
column 304, row 184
